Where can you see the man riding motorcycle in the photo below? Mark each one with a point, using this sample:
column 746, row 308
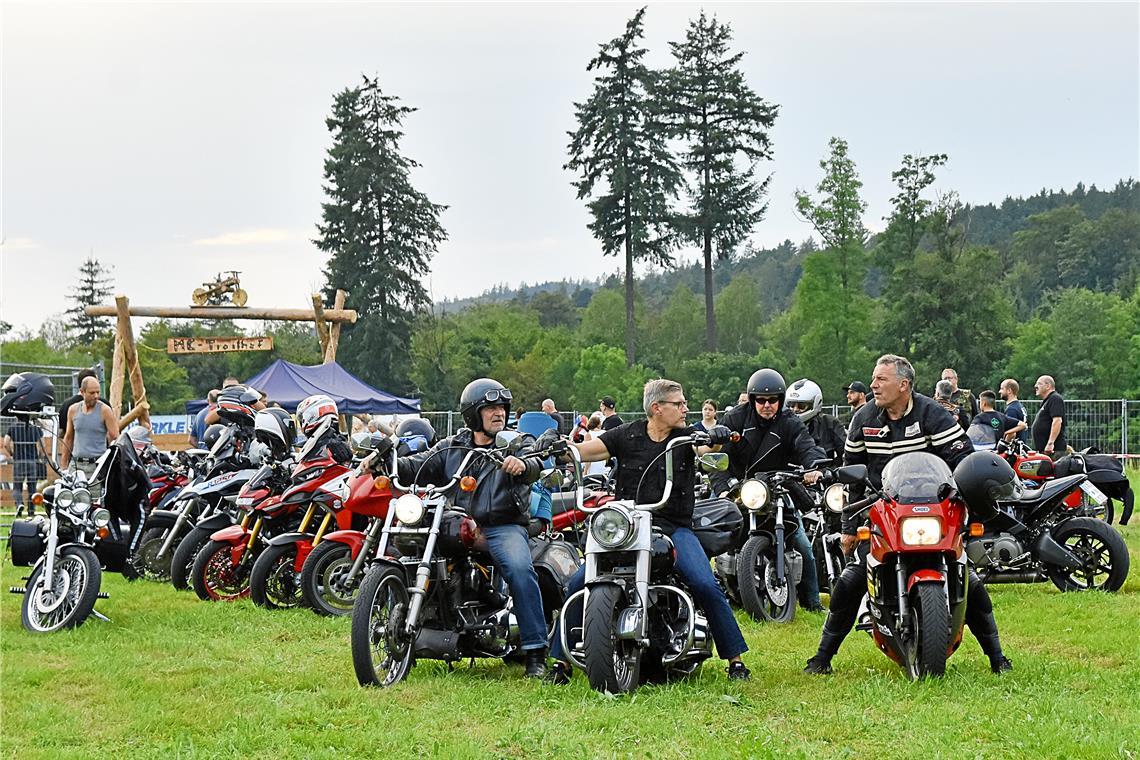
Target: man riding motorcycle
column 500, row 503
column 899, row 421
column 640, row 477
column 772, row 438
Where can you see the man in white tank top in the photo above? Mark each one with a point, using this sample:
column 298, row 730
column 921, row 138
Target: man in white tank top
column 91, row 428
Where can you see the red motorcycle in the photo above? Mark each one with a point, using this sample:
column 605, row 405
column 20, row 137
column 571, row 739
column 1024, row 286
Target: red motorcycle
column 917, row 571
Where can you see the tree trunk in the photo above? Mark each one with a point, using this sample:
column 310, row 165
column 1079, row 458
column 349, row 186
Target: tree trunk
column 710, row 314
column 630, row 351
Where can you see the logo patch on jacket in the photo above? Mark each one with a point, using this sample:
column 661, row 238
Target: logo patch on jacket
column 870, row 432
column 912, row 430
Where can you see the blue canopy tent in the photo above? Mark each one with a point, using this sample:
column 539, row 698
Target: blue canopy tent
column 288, row 384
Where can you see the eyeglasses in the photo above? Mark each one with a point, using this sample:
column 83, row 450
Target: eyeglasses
column 678, row 404
column 497, row 394
column 761, row 400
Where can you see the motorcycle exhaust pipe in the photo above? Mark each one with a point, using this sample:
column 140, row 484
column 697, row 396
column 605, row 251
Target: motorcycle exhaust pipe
column 1014, row 576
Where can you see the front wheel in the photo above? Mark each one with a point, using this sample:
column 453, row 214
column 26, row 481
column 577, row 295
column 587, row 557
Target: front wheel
column 324, row 579
column 762, row 594
column 1101, row 550
column 182, row 559
column 216, row 577
column 930, row 626
column 613, row 665
column 274, row 583
column 382, row 649
column 146, row 560
column 68, row 598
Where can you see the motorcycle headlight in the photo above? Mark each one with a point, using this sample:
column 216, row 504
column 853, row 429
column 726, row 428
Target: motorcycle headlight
column 921, row 531
column 64, row 497
column 81, row 501
column 409, row 509
column 101, row 518
column 754, row 494
column 611, row 527
column 835, row 498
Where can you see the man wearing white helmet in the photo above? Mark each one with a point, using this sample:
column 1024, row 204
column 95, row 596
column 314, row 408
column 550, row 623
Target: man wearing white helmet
column 806, row 400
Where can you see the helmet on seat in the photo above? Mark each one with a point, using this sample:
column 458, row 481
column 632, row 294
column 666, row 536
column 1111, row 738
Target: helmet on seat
column 210, row 437
column 276, row 429
column 236, row 404
column 26, row 393
column 983, row 479
column 479, row 394
column 313, row 410
column 766, row 382
column 805, row 399
column 416, row 426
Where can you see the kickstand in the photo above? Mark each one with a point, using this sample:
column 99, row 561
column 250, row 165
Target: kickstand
column 100, row 616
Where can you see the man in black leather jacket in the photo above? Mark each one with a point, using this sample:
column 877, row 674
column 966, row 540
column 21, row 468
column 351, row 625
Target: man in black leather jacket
column 500, row 503
column 897, row 422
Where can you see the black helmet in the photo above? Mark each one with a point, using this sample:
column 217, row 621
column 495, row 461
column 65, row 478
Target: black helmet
column 767, row 382
column 210, row 437
column 478, row 394
column 276, row 429
column 984, row 479
column 26, row 392
column 235, row 404
column 414, row 426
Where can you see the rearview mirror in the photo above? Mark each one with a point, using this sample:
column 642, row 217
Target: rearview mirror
column 505, row 438
column 362, row 442
column 852, row 473
column 553, row 479
column 714, row 461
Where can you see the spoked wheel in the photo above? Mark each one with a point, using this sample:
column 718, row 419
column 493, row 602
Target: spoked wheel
column 930, row 630
column 324, row 579
column 274, row 583
column 762, row 594
column 70, row 595
column 1101, row 550
column 146, row 560
column 215, row 575
column 612, row 665
column 239, row 297
column 382, row 650
column 199, row 296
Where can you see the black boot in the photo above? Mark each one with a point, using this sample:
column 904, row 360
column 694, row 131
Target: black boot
column 829, row 642
column 559, row 673
column 991, row 645
column 535, row 663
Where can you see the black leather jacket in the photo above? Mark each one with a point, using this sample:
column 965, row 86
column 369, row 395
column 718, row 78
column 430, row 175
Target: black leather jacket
column 498, row 499
column 767, row 445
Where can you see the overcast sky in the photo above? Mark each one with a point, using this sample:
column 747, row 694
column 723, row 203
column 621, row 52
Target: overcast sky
column 178, row 140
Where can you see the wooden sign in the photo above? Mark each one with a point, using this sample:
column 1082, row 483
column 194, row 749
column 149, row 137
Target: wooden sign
column 212, row 345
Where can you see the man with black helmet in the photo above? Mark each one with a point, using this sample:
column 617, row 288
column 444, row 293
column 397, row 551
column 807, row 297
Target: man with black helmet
column 899, row 421
column 774, row 438
column 500, row 503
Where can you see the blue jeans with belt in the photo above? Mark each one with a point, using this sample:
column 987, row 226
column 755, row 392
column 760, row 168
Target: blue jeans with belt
column 509, row 547
column 809, row 581
column 693, row 566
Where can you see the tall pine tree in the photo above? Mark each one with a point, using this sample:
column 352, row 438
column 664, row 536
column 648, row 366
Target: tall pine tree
column 706, row 103
column 621, row 146
column 93, row 288
column 380, row 230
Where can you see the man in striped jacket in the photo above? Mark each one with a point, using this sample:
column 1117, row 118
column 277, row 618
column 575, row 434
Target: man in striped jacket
column 899, row 421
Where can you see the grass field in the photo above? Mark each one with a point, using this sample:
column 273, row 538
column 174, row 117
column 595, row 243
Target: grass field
column 171, row 676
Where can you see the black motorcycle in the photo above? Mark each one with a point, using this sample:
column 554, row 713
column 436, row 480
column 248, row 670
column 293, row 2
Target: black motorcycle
column 823, row 528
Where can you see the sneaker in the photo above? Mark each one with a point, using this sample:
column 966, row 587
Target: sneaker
column 1000, row 664
column 19, row 509
column 737, row 671
column 818, row 666
column 559, row 673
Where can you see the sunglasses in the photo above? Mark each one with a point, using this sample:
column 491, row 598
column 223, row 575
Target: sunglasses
column 497, row 394
column 766, row 400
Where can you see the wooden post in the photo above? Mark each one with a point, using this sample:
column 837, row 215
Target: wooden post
column 322, row 326
column 334, row 331
column 138, row 411
column 115, row 398
column 131, row 357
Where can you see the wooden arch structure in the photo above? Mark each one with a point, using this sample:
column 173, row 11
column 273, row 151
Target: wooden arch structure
column 126, row 359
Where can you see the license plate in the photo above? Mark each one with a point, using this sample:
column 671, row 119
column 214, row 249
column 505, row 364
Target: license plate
column 1094, row 493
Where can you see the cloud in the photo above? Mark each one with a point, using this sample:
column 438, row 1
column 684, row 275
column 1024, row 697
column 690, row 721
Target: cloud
column 18, row 244
column 247, row 237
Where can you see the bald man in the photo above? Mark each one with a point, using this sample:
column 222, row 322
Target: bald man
column 1049, row 424
column 91, row 427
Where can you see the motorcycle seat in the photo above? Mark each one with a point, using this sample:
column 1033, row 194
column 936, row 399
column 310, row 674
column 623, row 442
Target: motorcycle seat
column 1048, row 490
column 565, row 501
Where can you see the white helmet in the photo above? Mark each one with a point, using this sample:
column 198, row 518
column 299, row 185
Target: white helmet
column 312, row 410
column 804, row 398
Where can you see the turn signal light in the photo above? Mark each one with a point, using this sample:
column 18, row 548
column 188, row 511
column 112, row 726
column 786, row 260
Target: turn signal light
column 382, row 483
column 103, row 532
column 37, row 499
column 863, row 533
column 977, row 529
column 467, row 484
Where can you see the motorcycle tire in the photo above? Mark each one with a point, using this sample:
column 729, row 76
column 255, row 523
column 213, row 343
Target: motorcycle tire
column 273, row 583
column 215, row 577
column 145, row 561
column 382, row 651
column 612, row 665
column 182, row 558
column 77, row 578
column 1102, row 551
column 760, row 594
column 930, row 616
column 323, row 576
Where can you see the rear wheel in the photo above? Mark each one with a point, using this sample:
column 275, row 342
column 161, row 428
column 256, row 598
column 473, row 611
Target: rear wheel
column 216, row 577
column 324, row 579
column 930, row 623
column 762, row 594
column 382, row 650
column 1101, row 550
column 68, row 598
column 146, row 560
column 273, row 583
column 612, row 665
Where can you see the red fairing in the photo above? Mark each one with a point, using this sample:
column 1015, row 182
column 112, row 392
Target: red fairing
column 924, row 576
column 886, row 516
column 234, row 534
column 365, row 499
column 353, row 539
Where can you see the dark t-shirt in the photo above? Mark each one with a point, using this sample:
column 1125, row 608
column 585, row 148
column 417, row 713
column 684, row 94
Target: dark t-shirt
column 611, row 422
column 63, row 414
column 1051, row 408
column 995, row 423
column 24, row 437
column 1015, row 411
column 638, row 455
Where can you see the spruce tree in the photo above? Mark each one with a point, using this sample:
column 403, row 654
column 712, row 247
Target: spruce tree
column 380, row 230
column 625, row 167
column 705, row 102
column 93, row 288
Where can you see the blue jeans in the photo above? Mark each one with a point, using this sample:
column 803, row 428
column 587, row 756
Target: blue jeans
column 809, row 581
column 693, row 566
column 510, row 549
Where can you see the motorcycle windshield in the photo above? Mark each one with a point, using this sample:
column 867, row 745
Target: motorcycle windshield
column 916, row 478
column 260, row 480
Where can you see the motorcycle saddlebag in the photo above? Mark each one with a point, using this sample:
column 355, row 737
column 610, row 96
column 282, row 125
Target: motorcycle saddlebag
column 717, row 524
column 26, row 542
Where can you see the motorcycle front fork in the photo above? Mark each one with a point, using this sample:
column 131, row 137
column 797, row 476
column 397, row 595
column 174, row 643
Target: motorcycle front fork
column 47, row 576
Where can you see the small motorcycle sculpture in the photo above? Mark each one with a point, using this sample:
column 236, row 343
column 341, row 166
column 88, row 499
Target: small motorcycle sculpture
column 225, row 290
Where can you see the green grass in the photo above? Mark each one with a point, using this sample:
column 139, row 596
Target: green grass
column 171, row 676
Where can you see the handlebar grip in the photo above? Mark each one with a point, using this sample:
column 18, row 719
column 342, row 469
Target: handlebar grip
column 860, row 505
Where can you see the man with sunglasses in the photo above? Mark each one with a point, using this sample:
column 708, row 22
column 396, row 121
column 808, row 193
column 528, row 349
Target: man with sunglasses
column 774, row 438
column 500, row 504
